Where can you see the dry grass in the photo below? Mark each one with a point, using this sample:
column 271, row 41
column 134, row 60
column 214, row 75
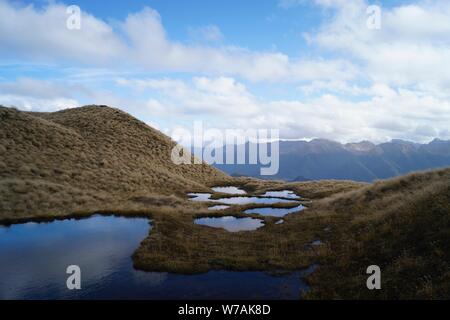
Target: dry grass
column 99, row 159
column 402, row 225
column 309, row 189
column 87, row 159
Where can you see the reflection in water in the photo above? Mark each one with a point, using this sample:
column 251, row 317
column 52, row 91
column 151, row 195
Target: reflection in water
column 247, row 200
column 281, row 221
column 237, row 200
column 282, row 194
column 34, row 258
column 199, row 196
column 275, row 212
column 229, row 190
column 231, row 224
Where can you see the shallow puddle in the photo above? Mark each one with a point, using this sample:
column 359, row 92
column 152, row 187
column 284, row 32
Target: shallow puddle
column 281, row 194
column 275, row 212
column 200, row 197
column 229, row 190
column 231, row 224
column 195, row 196
column 249, row 200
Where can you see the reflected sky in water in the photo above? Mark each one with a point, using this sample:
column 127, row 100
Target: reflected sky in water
column 275, row 212
column 282, row 194
column 34, row 258
column 236, row 200
column 231, row 224
column 199, row 196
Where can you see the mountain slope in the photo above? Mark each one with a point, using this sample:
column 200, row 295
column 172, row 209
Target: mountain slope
column 77, row 158
column 402, row 225
column 364, row 161
column 99, row 158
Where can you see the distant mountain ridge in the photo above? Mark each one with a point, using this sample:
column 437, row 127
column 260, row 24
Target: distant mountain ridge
column 362, row 161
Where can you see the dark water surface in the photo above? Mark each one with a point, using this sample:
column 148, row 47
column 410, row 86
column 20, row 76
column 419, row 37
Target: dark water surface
column 34, row 258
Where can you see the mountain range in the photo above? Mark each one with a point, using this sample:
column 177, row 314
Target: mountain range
column 95, row 159
column 363, row 161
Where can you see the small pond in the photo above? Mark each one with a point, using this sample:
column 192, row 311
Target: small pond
column 248, row 200
column 34, row 258
column 198, row 196
column 281, row 194
column 236, row 200
column 231, row 224
column 275, row 212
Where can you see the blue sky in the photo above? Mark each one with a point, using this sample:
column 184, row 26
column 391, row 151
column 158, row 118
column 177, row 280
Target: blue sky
column 312, row 69
column 259, row 25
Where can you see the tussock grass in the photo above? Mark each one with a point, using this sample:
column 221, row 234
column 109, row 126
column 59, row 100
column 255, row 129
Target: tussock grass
column 88, row 158
column 77, row 162
column 402, row 225
column 309, row 189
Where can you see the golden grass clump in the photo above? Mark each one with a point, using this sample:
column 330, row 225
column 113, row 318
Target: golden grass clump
column 102, row 151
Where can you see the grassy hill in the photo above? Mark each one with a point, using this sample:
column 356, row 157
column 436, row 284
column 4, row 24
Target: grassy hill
column 96, row 158
column 402, row 225
column 85, row 159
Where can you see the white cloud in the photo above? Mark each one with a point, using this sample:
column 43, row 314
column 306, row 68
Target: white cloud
column 380, row 113
column 386, row 114
column 410, row 49
column 50, row 95
column 157, row 52
column 222, row 97
column 38, row 95
column 38, row 104
column 43, row 89
column 375, row 84
column 142, row 42
column 42, row 34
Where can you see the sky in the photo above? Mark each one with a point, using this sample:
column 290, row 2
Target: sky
column 311, row 69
